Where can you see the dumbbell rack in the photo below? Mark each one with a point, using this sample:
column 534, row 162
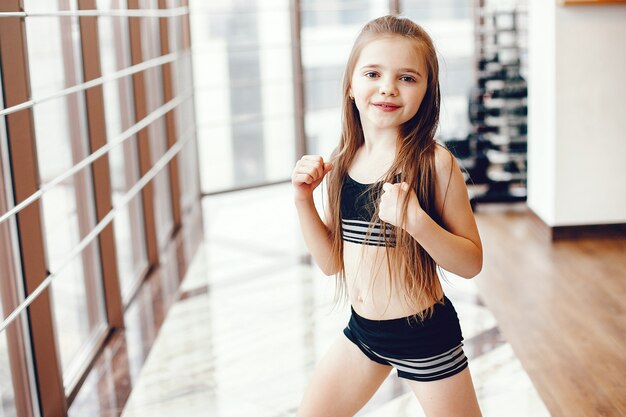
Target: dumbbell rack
column 498, row 107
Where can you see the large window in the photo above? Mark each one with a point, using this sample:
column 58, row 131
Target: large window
column 68, row 207
column 244, row 92
column 96, row 132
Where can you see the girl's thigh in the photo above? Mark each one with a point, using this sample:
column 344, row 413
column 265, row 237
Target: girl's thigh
column 342, row 383
column 449, row 397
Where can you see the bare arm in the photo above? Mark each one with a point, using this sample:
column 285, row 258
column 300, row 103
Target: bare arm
column 307, row 175
column 457, row 247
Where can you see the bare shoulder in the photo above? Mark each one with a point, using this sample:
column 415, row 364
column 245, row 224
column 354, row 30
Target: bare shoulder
column 443, row 159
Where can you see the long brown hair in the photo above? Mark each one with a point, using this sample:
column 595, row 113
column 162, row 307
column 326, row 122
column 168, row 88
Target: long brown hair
column 415, row 160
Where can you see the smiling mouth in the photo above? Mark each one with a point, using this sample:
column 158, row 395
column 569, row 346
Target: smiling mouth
column 386, row 107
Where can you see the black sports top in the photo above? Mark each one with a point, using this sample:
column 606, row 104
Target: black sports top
column 358, row 204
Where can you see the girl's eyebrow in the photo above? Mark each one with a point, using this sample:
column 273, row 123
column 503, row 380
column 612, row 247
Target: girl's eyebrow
column 400, row 70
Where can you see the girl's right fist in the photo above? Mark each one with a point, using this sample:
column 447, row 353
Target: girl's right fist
column 308, row 174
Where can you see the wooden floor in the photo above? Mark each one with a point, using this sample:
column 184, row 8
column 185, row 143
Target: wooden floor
column 562, row 306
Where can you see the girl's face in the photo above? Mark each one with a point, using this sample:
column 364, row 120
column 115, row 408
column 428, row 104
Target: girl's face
column 388, row 83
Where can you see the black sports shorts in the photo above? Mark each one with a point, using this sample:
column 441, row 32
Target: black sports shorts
column 419, row 350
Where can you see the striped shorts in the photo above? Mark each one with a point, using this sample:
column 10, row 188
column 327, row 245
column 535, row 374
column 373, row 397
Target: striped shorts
column 419, row 350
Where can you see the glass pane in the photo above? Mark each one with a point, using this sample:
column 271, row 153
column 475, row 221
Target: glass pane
column 163, row 207
column 43, row 36
column 323, row 87
column 244, row 92
column 340, row 13
column 186, row 127
column 156, row 130
column 175, row 33
column 188, row 160
column 222, row 172
column 428, row 10
column 77, row 290
column 41, row 6
column 109, row 4
column 77, row 322
column 174, row 3
column 183, row 84
column 149, row 4
column 114, row 39
column 189, row 180
column 54, row 53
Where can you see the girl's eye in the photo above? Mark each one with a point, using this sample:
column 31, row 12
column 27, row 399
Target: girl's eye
column 370, row 74
column 407, row 78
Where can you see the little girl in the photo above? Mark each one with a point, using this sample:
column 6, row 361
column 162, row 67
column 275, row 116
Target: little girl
column 397, row 208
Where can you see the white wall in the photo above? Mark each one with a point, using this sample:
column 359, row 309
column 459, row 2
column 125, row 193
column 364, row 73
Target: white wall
column 541, row 108
column 577, row 113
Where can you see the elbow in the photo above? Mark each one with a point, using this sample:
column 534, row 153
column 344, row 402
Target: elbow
column 469, row 274
column 474, row 269
column 329, row 269
column 472, row 273
column 329, row 272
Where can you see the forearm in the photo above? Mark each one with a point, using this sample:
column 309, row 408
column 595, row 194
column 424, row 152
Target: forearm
column 316, row 236
column 453, row 253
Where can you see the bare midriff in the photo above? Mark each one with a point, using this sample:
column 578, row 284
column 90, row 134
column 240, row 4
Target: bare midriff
column 370, row 291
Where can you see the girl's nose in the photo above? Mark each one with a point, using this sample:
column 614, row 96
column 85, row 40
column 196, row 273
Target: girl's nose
column 387, row 88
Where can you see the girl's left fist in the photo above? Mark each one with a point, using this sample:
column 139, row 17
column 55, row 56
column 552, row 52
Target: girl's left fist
column 391, row 201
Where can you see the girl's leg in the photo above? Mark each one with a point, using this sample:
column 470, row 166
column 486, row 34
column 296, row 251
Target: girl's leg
column 449, row 397
column 343, row 381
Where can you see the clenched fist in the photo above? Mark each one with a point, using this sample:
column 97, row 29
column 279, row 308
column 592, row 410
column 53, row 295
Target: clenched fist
column 391, row 201
column 308, row 174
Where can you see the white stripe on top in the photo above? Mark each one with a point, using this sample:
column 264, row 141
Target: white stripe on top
column 356, row 231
